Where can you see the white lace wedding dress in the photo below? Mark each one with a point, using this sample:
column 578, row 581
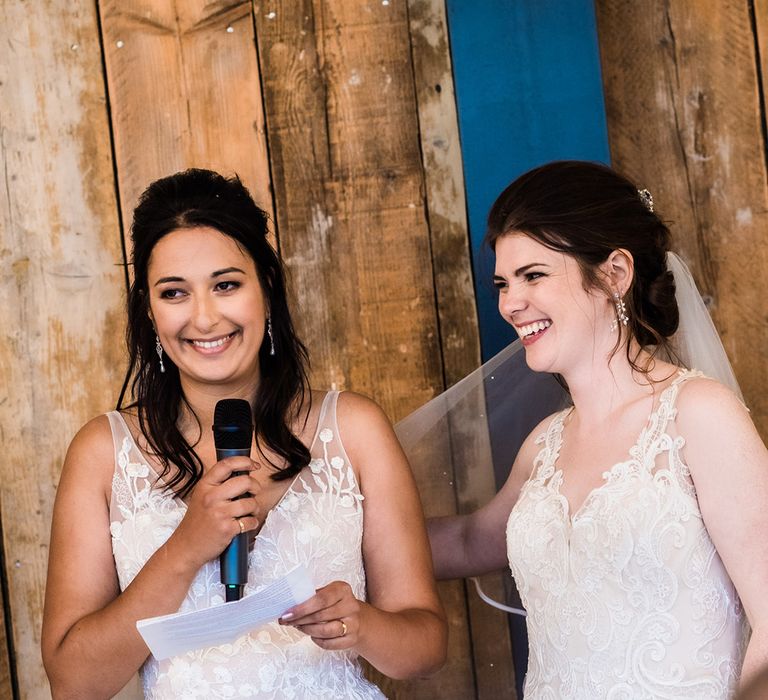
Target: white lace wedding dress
column 318, row 522
column 627, row 597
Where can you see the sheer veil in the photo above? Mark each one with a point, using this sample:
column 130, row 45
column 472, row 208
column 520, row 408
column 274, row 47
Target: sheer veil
column 696, row 341
column 472, row 431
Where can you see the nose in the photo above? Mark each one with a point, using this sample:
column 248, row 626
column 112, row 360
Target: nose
column 205, row 313
column 511, row 302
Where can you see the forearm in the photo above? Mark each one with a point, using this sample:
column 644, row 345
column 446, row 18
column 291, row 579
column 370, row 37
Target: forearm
column 406, row 644
column 460, row 549
column 756, row 657
column 100, row 653
column 447, row 540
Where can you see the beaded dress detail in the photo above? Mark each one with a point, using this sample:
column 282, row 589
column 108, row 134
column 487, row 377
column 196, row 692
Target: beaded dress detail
column 627, row 597
column 318, row 522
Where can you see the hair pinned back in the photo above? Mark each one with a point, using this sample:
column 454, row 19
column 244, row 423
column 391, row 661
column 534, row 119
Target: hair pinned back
column 587, row 210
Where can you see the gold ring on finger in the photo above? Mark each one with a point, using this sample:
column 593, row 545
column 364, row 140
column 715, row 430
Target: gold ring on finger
column 343, row 628
column 242, row 525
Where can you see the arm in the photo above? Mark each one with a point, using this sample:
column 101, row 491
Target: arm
column 90, row 644
column 475, row 544
column 729, row 467
column 401, row 630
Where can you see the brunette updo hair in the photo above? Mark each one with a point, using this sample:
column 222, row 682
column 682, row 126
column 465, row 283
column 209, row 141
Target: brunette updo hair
column 587, row 210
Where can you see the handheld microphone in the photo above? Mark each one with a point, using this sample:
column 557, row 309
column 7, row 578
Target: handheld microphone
column 232, row 436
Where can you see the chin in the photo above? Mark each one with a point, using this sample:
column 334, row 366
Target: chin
column 538, row 364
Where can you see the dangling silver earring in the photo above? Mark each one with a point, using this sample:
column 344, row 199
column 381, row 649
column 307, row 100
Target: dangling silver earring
column 159, row 351
column 621, row 312
column 271, row 339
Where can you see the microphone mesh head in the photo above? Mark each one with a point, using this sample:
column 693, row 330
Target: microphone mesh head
column 232, row 424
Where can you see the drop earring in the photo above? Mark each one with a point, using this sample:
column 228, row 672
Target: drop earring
column 621, row 312
column 159, row 351
column 271, row 338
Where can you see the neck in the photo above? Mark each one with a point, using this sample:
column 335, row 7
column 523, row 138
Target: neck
column 202, row 400
column 601, row 388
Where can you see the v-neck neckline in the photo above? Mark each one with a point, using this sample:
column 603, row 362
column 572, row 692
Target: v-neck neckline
column 555, row 482
column 183, row 505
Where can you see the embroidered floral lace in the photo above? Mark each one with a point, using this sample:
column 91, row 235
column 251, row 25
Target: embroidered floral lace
column 318, row 522
column 627, row 597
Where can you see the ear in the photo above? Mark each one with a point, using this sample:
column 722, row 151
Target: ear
column 619, row 270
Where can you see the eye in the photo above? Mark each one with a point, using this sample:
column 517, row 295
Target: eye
column 500, row 284
column 226, row 286
column 171, row 294
column 532, row 276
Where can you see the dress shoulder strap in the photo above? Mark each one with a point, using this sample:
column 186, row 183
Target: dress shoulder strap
column 328, row 439
column 327, row 417
column 120, row 432
column 669, row 396
column 650, row 439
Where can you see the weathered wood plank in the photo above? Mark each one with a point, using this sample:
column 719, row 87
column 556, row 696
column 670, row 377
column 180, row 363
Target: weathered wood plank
column 185, row 92
column 684, row 120
column 349, row 199
column 459, row 337
column 61, row 284
column 7, row 656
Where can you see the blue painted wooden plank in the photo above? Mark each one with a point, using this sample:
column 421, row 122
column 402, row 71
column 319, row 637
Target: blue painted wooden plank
column 528, row 87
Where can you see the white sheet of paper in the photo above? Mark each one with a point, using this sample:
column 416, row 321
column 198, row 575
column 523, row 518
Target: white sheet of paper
column 169, row 635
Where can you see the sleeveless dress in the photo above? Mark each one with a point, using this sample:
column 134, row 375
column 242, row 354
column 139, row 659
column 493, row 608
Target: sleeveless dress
column 627, row 597
column 318, row 522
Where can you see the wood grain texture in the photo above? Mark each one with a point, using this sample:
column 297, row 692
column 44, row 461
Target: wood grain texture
column 61, row 283
column 350, row 205
column 185, row 92
column 760, row 27
column 491, row 651
column 685, row 121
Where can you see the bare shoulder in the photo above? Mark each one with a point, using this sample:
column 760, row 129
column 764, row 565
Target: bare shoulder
column 704, row 401
column 91, row 453
column 715, row 423
column 357, row 411
column 367, row 434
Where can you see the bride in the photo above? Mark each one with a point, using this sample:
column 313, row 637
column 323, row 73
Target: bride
column 634, row 521
column 145, row 507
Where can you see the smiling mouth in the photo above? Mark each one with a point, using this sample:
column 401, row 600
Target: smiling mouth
column 212, row 344
column 531, row 330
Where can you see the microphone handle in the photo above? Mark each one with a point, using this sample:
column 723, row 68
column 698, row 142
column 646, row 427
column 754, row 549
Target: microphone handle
column 233, row 561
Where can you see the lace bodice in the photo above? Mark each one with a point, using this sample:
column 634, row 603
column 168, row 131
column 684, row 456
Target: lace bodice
column 626, row 598
column 318, row 522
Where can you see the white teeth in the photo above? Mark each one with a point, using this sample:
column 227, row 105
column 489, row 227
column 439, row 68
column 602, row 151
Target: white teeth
column 208, row 344
column 532, row 328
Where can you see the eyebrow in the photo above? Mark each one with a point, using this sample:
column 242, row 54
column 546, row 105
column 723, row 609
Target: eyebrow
column 214, row 274
column 521, row 270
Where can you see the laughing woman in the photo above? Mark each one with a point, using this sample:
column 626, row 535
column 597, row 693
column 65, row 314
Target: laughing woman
column 635, row 521
column 145, row 508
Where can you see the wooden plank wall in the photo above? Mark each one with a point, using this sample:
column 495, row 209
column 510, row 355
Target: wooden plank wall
column 108, row 96
column 687, row 119
column 61, row 284
column 355, row 153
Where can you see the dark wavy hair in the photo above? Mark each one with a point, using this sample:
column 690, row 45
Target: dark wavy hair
column 202, row 198
column 587, row 210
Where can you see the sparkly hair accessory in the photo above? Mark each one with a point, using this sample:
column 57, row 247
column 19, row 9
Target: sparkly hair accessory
column 646, row 198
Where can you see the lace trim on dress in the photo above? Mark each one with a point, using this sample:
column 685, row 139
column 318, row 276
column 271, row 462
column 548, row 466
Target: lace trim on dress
column 628, row 598
column 318, row 522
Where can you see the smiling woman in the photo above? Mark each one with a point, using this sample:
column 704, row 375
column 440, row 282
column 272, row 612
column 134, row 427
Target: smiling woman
column 145, row 505
column 628, row 519
column 211, row 321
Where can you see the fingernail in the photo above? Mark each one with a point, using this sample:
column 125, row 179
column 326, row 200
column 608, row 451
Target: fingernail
column 286, row 616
